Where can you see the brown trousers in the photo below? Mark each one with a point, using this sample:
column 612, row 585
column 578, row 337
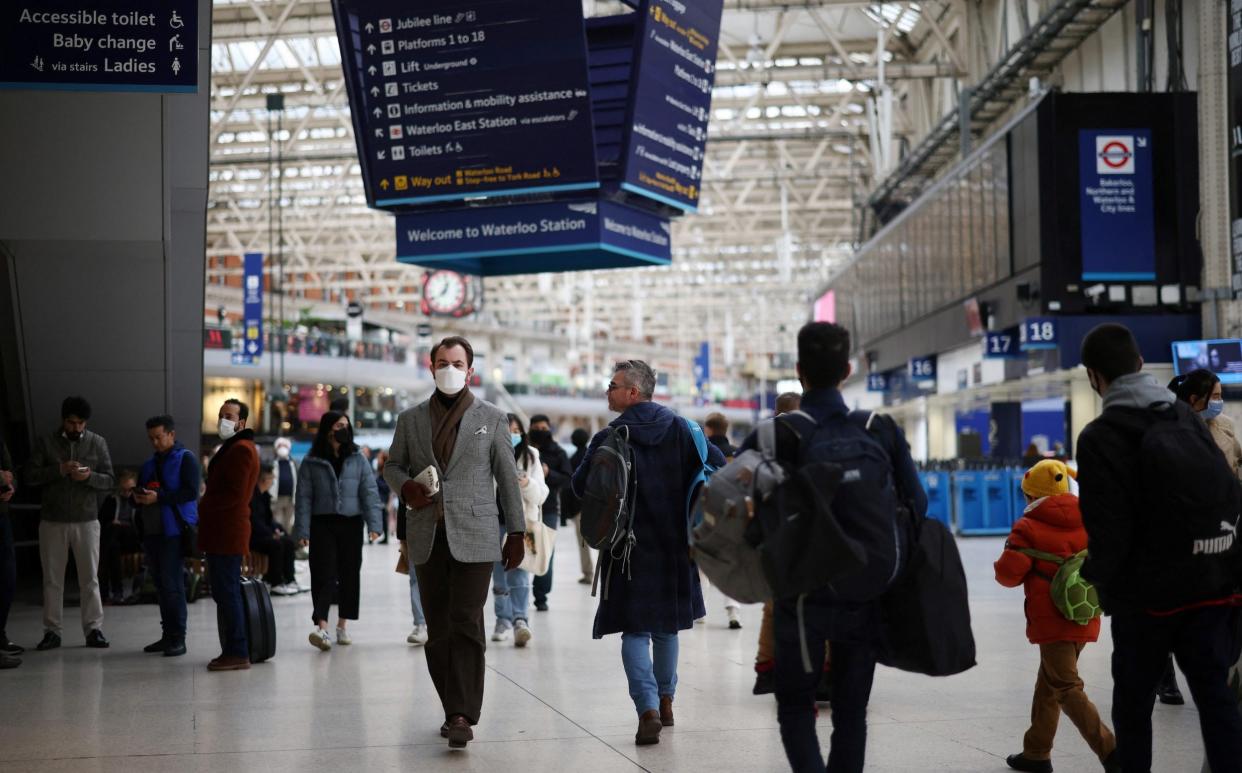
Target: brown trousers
column 453, row 595
column 1059, row 689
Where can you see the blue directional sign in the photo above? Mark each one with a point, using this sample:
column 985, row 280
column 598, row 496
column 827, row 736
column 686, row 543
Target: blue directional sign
column 1038, row 333
column 1116, row 203
column 1002, row 344
column 703, row 367
column 102, row 45
column 457, row 99
column 672, row 100
column 530, row 238
column 252, row 310
column 877, row 382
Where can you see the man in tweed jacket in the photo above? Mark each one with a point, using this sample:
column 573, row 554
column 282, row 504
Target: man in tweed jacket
column 453, row 536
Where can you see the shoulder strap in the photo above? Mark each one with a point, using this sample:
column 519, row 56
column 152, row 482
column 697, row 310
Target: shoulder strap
column 700, row 440
column 1051, row 558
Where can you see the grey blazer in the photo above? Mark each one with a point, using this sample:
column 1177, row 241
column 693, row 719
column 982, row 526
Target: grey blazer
column 481, row 471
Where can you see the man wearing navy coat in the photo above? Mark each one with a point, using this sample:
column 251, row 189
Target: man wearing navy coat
column 658, row 593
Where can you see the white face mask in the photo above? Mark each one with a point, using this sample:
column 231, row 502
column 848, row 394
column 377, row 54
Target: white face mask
column 450, row 380
column 282, row 452
column 226, row 429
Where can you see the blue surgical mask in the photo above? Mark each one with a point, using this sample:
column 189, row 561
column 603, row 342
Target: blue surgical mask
column 1214, row 408
column 516, row 437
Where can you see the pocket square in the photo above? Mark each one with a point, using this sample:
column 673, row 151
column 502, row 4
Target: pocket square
column 481, row 431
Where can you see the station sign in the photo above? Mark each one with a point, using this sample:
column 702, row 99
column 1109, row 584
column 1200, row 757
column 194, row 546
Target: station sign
column 1002, row 344
column 877, row 382
column 1037, row 333
column 1116, row 202
column 456, row 99
column 922, row 368
column 252, row 310
column 533, row 238
column 103, row 45
column 672, row 100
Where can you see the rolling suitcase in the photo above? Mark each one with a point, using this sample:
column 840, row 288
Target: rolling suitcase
column 260, row 620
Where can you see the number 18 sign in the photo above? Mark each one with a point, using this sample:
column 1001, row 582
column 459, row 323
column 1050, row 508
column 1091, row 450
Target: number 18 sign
column 1038, row 333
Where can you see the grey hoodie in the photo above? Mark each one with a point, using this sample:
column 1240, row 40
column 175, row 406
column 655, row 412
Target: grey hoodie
column 1136, row 390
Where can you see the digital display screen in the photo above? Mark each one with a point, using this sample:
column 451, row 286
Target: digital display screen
column 1221, row 356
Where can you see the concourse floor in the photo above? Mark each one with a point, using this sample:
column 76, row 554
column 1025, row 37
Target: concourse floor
column 559, row 706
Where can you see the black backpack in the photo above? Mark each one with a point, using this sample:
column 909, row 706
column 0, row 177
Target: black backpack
column 1188, row 482
column 608, row 500
column 845, row 475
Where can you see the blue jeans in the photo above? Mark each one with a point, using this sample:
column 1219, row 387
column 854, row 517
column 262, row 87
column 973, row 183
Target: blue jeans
column 416, row 601
column 512, row 593
column 165, row 564
column 224, row 573
column 649, row 681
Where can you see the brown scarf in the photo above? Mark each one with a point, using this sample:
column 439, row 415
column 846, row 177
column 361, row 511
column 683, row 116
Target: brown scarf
column 445, row 424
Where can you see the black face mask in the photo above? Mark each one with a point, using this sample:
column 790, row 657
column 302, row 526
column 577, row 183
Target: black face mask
column 540, row 437
column 344, row 436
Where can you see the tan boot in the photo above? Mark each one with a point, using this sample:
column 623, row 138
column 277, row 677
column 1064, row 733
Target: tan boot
column 666, row 710
column 649, row 728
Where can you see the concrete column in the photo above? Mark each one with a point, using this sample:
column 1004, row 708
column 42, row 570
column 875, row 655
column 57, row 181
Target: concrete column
column 1220, row 316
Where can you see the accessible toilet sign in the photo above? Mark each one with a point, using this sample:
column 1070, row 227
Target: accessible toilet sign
column 455, row 99
column 102, row 45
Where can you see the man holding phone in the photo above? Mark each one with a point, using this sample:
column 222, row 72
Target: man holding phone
column 74, row 467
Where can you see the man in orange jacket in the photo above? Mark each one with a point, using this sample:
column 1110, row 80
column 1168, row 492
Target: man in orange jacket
column 1052, row 524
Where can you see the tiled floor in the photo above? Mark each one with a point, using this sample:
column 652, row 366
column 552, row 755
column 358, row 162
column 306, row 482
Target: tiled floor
column 558, row 706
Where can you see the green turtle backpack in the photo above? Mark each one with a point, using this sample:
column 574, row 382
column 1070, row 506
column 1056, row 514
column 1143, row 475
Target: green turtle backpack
column 1074, row 597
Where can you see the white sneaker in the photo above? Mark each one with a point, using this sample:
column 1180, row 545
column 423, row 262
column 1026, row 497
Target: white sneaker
column 319, row 638
column 735, row 623
column 299, row 587
column 342, row 637
column 285, row 590
column 503, row 632
column 418, row 635
column 521, row 633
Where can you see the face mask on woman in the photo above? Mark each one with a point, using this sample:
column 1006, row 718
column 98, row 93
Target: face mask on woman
column 1214, row 408
column 343, row 436
column 516, row 438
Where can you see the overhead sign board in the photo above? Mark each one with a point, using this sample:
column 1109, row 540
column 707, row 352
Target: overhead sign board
column 877, row 382
column 1116, row 205
column 252, row 310
column 456, row 99
column 1037, row 333
column 672, row 100
column 922, row 368
column 103, row 45
column 1002, row 344
column 532, row 238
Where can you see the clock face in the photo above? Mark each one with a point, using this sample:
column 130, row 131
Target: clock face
column 445, row 292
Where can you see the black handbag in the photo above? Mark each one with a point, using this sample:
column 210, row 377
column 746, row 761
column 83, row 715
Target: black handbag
column 189, row 532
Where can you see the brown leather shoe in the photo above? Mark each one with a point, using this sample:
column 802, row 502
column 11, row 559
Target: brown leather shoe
column 229, row 663
column 666, row 710
column 649, row 728
column 459, row 732
column 444, row 729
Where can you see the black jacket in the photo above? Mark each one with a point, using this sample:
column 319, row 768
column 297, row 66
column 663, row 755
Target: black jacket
column 722, row 442
column 262, row 523
column 571, row 505
column 559, row 473
column 1129, row 560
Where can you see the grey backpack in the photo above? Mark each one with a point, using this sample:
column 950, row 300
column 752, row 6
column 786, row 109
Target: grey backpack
column 722, row 517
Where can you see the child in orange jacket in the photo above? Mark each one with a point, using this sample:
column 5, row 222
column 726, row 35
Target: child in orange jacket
column 1052, row 523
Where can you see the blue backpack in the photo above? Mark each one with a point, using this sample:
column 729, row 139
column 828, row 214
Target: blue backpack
column 707, row 468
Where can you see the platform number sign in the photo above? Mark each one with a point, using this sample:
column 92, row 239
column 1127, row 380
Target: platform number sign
column 877, row 382
column 1038, row 333
column 923, row 368
column 1001, row 344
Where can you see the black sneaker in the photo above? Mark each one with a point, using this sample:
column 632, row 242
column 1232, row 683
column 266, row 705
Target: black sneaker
column 765, row 683
column 1021, row 762
column 541, row 606
column 50, row 642
column 96, row 639
column 1169, row 694
column 10, row 648
column 8, row 661
column 175, row 649
column 155, row 647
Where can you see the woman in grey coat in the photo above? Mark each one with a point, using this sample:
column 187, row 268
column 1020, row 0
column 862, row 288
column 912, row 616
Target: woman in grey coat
column 336, row 494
